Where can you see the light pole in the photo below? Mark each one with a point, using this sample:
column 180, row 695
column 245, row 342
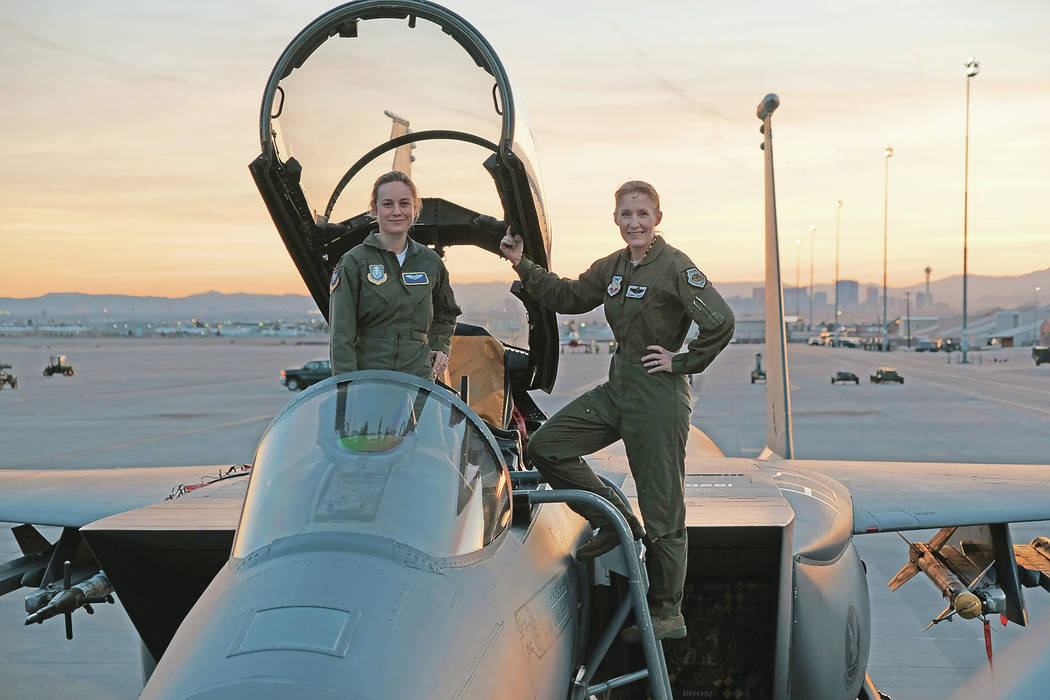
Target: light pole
column 1035, row 317
column 907, row 301
column 798, row 254
column 838, row 208
column 972, row 68
column 885, row 227
column 812, row 234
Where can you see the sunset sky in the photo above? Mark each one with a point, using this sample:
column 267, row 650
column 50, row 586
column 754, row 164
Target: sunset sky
column 128, row 128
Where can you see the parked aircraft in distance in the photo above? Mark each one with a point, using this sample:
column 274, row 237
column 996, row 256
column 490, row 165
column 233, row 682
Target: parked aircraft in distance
column 390, row 543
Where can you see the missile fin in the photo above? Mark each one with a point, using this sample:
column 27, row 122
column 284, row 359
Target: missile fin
column 903, row 576
column 938, row 540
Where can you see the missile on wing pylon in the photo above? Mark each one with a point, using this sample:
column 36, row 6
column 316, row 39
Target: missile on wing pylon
column 927, row 559
column 958, row 575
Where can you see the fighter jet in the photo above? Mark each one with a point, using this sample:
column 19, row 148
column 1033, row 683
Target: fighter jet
column 387, row 540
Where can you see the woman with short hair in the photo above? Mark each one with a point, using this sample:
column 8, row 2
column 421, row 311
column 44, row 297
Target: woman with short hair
column 651, row 292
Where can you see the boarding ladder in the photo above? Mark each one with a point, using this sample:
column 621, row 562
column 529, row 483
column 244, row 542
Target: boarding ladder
column 625, row 560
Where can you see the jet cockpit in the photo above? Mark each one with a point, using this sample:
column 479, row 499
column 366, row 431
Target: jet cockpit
column 378, row 454
column 374, row 86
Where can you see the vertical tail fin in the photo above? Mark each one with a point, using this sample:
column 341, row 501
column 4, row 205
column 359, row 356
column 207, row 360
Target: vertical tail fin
column 403, row 155
column 778, row 398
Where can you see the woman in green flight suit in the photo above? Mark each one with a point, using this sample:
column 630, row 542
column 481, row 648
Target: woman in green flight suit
column 651, row 292
column 391, row 304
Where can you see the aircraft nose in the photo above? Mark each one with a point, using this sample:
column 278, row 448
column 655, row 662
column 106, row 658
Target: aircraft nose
column 318, row 623
column 271, row 689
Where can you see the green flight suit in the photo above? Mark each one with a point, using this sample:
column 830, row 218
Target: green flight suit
column 387, row 316
column 651, row 303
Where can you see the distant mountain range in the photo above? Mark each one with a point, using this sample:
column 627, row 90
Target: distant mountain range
column 476, row 298
column 210, row 306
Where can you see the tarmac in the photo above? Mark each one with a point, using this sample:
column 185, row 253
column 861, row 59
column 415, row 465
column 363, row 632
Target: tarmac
column 158, row 402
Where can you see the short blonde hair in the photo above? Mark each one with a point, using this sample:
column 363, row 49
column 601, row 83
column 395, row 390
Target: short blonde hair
column 637, row 187
column 397, row 176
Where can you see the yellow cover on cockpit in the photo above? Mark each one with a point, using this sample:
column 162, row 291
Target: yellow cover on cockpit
column 480, row 357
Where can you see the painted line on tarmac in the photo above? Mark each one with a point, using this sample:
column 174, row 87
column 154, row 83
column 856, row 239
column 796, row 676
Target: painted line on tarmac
column 998, row 383
column 986, row 397
column 588, row 386
column 143, row 441
column 172, row 388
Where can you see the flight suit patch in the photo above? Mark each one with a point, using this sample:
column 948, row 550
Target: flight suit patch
column 335, row 280
column 635, row 291
column 696, row 278
column 412, row 278
column 614, row 285
column 376, row 274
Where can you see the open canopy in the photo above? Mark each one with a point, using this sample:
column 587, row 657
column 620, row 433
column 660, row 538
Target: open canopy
column 374, row 86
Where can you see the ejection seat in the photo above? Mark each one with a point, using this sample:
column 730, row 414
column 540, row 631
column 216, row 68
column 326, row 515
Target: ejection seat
column 483, row 360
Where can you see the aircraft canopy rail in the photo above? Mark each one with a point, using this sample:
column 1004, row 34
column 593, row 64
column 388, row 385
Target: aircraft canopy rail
column 378, row 453
column 373, row 86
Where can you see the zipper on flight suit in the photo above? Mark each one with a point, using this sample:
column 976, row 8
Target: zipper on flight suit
column 400, row 280
column 627, row 281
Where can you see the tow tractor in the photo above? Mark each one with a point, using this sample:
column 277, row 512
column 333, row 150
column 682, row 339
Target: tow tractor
column 7, row 377
column 57, row 365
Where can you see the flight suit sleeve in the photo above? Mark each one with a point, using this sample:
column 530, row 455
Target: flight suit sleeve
column 560, row 294
column 445, row 312
column 713, row 317
column 342, row 320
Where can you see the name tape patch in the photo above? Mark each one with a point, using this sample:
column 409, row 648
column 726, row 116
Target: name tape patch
column 413, row 278
column 635, row 291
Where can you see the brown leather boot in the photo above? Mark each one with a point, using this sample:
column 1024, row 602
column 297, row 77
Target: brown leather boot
column 671, row 627
column 604, row 541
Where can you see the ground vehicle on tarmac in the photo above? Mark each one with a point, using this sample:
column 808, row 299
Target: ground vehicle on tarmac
column 56, row 364
column 758, row 374
column 841, row 377
column 928, row 345
column 1041, row 354
column 886, row 374
column 307, row 375
column 7, row 377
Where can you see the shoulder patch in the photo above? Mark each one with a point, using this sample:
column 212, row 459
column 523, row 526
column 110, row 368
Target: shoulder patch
column 696, row 278
column 335, row 281
column 376, row 274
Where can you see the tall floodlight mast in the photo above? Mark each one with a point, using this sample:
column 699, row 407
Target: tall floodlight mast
column 972, row 68
column 885, row 221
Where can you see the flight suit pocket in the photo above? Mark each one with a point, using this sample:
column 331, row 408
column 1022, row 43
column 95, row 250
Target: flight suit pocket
column 707, row 317
column 419, row 293
column 384, row 293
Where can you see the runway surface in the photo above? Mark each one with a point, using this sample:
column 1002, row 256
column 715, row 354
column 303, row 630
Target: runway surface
column 206, row 401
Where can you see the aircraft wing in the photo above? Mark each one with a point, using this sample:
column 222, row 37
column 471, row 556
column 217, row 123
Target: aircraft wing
column 76, row 497
column 889, row 496
column 886, row 496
